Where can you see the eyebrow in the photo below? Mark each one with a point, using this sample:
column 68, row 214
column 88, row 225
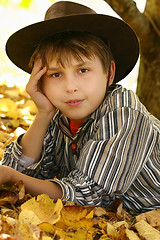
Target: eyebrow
column 53, row 68
column 77, row 65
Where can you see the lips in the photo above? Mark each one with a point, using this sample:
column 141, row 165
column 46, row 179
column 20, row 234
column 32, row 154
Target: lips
column 74, row 102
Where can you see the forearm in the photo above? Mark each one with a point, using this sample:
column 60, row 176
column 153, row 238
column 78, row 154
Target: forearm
column 32, row 185
column 32, row 140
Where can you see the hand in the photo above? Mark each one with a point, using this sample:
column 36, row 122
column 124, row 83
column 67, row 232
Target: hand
column 32, row 185
column 33, row 88
column 5, row 174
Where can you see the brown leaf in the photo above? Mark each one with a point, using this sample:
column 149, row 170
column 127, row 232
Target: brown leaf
column 9, row 212
column 99, row 211
column 113, row 206
column 131, row 235
column 19, row 188
column 146, row 231
column 7, row 196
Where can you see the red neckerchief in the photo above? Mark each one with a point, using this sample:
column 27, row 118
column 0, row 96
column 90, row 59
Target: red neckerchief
column 74, row 126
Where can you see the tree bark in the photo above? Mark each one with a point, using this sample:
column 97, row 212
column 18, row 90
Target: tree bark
column 147, row 28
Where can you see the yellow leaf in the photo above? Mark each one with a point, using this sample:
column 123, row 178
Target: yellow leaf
column 44, row 208
column 7, row 104
column 46, row 238
column 47, row 227
column 105, row 237
column 80, row 233
column 25, row 3
column 90, row 215
column 28, row 216
column 82, row 223
column 60, row 234
column 75, row 217
column 13, row 123
column 2, row 137
column 61, row 224
column 9, row 108
column 120, row 223
column 4, row 2
column 102, row 223
column 111, row 229
column 73, row 233
column 30, row 106
column 74, row 213
column 29, row 232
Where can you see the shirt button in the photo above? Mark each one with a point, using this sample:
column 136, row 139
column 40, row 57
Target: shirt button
column 74, row 147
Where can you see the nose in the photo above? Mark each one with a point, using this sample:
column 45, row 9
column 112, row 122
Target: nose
column 71, row 83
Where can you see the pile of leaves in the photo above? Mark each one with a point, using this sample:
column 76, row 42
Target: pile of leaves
column 17, row 112
column 24, row 217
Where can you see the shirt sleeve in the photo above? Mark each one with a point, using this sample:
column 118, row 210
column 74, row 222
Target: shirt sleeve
column 111, row 160
column 45, row 168
column 12, row 154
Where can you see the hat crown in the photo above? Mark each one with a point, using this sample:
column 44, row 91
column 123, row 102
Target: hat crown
column 66, row 8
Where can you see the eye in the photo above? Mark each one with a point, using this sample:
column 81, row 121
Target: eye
column 56, row 75
column 83, row 70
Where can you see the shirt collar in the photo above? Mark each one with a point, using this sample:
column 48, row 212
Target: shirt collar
column 101, row 110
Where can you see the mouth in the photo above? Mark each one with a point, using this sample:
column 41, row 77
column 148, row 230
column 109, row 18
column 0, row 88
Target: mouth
column 74, row 102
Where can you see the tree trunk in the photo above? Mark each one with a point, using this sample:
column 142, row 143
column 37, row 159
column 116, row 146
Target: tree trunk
column 147, row 27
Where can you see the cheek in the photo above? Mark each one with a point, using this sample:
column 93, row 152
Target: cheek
column 49, row 90
column 47, row 86
column 52, row 95
column 43, row 85
column 98, row 88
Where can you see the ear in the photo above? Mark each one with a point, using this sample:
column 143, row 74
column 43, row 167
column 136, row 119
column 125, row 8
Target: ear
column 112, row 73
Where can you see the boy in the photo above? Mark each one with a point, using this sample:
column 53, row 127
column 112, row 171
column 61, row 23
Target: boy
column 95, row 134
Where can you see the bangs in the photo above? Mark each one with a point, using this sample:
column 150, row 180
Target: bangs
column 66, row 45
column 64, row 54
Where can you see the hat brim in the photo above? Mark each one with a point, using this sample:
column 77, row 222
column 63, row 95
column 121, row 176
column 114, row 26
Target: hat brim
column 121, row 38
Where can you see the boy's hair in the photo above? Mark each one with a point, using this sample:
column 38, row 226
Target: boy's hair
column 62, row 46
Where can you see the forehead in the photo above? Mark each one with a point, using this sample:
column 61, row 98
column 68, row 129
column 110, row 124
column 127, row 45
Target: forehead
column 68, row 58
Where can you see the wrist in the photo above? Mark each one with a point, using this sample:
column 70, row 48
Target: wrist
column 8, row 174
column 44, row 118
column 46, row 115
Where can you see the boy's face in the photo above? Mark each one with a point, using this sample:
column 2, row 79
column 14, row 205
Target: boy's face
column 77, row 89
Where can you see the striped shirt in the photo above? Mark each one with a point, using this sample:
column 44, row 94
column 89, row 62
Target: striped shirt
column 118, row 155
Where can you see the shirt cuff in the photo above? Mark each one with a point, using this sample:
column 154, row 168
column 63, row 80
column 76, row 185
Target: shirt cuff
column 22, row 161
column 68, row 193
column 17, row 148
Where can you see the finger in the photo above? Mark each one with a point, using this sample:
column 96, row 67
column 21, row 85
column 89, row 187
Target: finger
column 33, row 84
column 37, row 74
column 38, row 66
column 41, row 72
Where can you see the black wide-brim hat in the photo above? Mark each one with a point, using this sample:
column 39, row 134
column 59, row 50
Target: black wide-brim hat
column 69, row 16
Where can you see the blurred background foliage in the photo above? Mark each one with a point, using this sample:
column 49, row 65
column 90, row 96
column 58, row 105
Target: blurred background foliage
column 21, row 3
